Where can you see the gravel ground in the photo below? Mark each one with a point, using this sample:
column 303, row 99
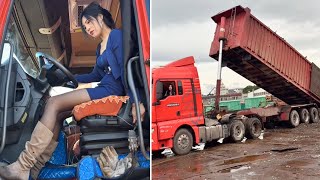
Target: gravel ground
column 283, row 153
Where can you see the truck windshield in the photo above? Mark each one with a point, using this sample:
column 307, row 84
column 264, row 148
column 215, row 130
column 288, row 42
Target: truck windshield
column 20, row 53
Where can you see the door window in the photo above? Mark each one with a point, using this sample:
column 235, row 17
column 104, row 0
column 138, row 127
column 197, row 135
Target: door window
column 169, row 89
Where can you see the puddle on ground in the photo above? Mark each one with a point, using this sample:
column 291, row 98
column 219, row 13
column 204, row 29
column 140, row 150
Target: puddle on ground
column 285, row 149
column 244, row 159
column 234, row 169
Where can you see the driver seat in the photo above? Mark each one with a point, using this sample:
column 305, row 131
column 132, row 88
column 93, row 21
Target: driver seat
column 104, row 122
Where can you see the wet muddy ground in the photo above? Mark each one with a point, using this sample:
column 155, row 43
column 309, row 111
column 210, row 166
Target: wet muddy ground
column 283, row 153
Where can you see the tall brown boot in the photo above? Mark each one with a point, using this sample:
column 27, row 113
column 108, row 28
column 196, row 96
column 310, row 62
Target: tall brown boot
column 20, row 169
column 43, row 158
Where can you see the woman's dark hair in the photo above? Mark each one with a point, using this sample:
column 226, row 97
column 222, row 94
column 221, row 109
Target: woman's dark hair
column 92, row 11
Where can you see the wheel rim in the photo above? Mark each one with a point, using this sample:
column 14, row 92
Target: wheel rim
column 183, row 141
column 315, row 114
column 237, row 131
column 295, row 119
column 255, row 128
column 305, row 116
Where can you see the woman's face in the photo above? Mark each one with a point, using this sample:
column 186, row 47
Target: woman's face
column 92, row 27
column 170, row 87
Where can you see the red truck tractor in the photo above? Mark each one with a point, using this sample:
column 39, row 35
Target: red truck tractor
column 53, row 28
column 178, row 120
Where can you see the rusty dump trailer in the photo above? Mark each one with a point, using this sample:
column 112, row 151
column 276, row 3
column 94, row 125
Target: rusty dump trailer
column 260, row 55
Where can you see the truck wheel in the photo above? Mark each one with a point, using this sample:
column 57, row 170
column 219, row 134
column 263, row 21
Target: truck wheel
column 182, row 142
column 304, row 115
column 314, row 115
column 294, row 118
column 253, row 128
column 237, row 131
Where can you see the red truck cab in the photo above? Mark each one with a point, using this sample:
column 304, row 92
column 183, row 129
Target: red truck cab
column 181, row 111
column 178, row 121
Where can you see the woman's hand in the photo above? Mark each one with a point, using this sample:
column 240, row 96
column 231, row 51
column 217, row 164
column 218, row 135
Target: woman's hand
column 84, row 85
column 87, row 85
column 134, row 113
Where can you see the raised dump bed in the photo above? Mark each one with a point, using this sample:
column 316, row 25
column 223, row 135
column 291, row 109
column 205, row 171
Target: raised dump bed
column 257, row 53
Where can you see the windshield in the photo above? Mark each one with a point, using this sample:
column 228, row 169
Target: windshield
column 20, row 51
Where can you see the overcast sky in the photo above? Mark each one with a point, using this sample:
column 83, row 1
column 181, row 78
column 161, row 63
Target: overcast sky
column 183, row 28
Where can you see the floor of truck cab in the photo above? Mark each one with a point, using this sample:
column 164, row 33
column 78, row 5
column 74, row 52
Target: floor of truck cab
column 12, row 151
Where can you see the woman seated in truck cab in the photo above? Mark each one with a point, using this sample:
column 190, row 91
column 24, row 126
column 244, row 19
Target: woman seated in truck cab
column 109, row 70
column 170, row 91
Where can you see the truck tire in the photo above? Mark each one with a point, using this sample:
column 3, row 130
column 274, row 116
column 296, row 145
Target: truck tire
column 237, row 131
column 314, row 115
column 304, row 115
column 182, row 142
column 294, row 119
column 253, row 128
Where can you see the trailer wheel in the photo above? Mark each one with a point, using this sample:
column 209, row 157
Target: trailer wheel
column 314, row 115
column 304, row 115
column 294, row 118
column 253, row 128
column 237, row 131
column 182, row 142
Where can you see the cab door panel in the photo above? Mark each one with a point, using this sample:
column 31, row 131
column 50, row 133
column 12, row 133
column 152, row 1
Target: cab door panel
column 169, row 109
column 19, row 100
column 3, row 81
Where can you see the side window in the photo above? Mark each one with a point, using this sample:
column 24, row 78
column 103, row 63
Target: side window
column 180, row 89
column 169, row 88
column 20, row 50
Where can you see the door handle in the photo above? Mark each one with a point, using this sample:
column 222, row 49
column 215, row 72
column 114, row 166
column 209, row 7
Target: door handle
column 178, row 113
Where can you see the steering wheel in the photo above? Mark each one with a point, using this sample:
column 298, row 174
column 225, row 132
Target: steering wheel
column 45, row 59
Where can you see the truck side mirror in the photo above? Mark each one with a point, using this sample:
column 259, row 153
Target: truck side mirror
column 159, row 90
